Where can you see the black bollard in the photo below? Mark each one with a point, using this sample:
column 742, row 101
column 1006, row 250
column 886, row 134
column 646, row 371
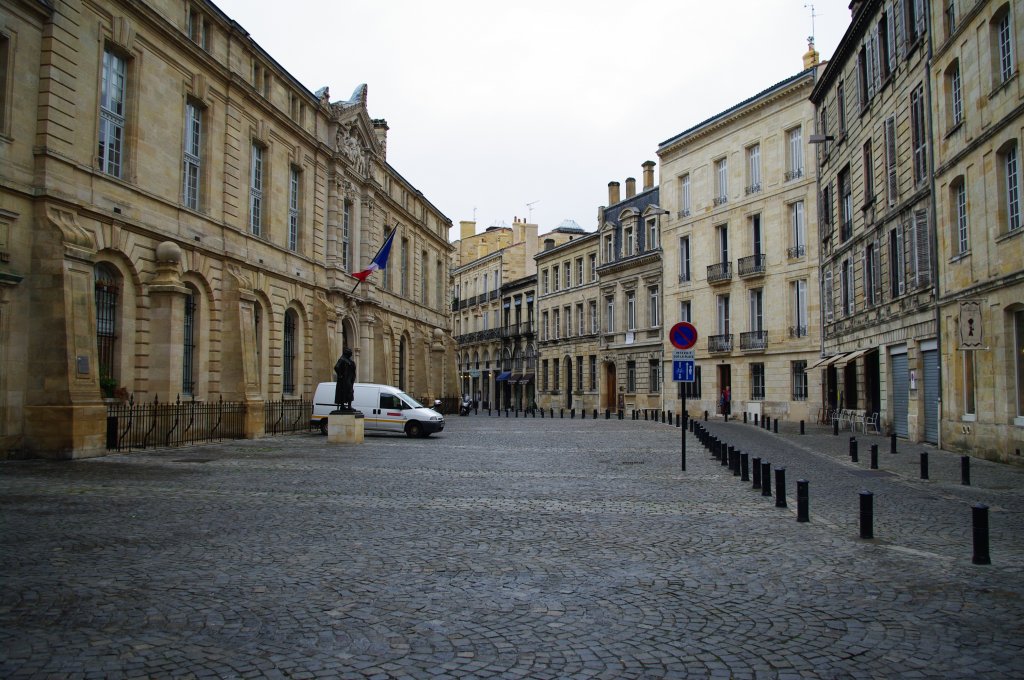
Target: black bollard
column 542, row 414
column 892, row 443
column 757, row 421
column 726, row 417
column 874, row 456
column 775, row 426
column 979, row 515
column 835, row 428
column 736, row 464
column 867, row 514
column 506, row 412
column 488, row 410
column 744, row 417
column 853, row 449
column 756, row 463
column 780, row 487
column 622, row 414
column 583, row 413
column 965, row 470
column 725, row 454
column 607, row 414
column 595, row 414
column 801, row 427
column 766, row 478
column 744, row 467
column 561, row 413
column 517, row 412
column 572, row 414
column 802, row 501
column 705, row 416
column 767, row 423
column 924, row 465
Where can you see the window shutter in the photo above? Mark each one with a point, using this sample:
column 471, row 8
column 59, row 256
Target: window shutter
column 901, row 31
column 892, row 184
column 891, row 22
column 873, row 62
column 919, row 16
column 876, row 271
column 827, row 295
column 900, row 259
column 922, row 250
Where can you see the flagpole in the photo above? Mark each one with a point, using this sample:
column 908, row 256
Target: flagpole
column 383, row 243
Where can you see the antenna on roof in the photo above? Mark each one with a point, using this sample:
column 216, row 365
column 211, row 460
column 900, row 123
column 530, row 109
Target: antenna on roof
column 811, row 6
column 529, row 209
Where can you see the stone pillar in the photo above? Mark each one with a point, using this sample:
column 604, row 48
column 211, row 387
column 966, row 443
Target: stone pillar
column 167, row 317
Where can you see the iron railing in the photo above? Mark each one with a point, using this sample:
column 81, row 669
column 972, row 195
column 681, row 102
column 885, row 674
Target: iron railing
column 796, row 251
column 720, row 343
column 797, row 331
column 754, row 264
column 754, row 340
column 179, row 423
column 719, row 272
column 290, row 415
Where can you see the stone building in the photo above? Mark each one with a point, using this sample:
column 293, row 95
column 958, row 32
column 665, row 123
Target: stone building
column 977, row 125
column 876, row 223
column 180, row 216
column 568, row 294
column 741, row 195
column 630, row 281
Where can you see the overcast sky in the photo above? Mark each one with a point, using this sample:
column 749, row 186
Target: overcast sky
column 496, row 105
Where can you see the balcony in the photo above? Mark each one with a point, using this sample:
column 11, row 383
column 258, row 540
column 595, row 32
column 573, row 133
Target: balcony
column 720, row 200
column 754, row 341
column 796, row 252
column 719, row 272
column 752, row 266
column 794, row 174
column 516, row 329
column 683, row 213
column 719, row 343
column 753, row 188
column 798, row 331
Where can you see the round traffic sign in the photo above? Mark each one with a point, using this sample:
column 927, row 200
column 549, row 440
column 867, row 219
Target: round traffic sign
column 683, row 335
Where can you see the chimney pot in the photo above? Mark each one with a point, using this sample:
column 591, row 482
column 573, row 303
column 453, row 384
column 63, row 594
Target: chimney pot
column 613, row 193
column 648, row 167
column 630, row 187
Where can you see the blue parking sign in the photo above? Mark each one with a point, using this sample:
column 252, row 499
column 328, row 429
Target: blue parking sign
column 682, row 371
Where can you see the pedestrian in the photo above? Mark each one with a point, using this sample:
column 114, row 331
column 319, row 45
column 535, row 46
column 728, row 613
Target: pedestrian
column 726, row 397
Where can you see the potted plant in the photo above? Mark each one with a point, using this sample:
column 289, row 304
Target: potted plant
column 107, row 387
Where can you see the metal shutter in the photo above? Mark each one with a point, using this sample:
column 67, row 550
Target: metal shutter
column 930, row 361
column 900, row 390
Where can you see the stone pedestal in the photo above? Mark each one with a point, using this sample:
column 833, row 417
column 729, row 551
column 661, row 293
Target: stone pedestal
column 345, row 428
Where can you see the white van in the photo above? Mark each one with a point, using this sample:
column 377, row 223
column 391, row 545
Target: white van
column 384, row 408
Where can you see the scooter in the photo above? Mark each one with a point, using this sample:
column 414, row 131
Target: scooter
column 465, row 407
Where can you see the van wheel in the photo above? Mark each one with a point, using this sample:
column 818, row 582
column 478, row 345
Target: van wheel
column 414, row 429
column 323, row 427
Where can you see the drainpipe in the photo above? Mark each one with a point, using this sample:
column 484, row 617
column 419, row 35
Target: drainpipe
column 934, row 236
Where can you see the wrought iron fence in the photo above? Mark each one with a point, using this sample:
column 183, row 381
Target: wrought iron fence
column 290, row 415
column 133, row 425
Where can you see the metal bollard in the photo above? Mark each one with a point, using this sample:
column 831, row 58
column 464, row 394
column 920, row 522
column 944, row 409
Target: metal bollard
column 488, row 410
column 756, row 463
column 867, row 514
column 517, row 412
column 583, row 413
column 744, row 467
column 572, row 414
column 734, row 462
column 766, row 478
column 775, row 426
column 705, row 416
column 767, row 421
column 979, row 516
column 835, row 428
column 542, row 414
column 726, row 417
column 757, row 421
column 561, row 413
column 744, row 417
column 780, row 487
column 622, row 414
column 802, row 501
column 595, row 414
column 892, row 443
column 801, row 427
column 924, row 465
column 725, row 454
column 506, row 412
column 965, row 470
column 874, row 456
column 853, row 450
column 607, row 414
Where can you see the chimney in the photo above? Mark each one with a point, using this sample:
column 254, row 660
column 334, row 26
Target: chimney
column 380, row 127
column 648, row 167
column 811, row 55
column 466, row 228
column 613, row 193
column 549, row 243
column 855, row 7
column 630, row 187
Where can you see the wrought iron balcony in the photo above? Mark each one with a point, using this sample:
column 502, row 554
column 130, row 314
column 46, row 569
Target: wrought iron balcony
column 796, row 251
column 683, row 213
column 794, row 174
column 753, row 265
column 720, row 343
column 754, row 341
column 798, row 331
column 754, row 188
column 719, row 272
column 721, row 200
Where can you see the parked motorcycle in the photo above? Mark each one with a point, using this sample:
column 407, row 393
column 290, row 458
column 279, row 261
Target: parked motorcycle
column 465, row 407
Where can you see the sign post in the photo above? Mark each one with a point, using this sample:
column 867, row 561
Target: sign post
column 683, row 337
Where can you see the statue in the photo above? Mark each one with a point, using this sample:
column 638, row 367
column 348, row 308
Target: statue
column 345, row 377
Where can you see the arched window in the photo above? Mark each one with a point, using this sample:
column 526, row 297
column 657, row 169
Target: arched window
column 401, row 364
column 290, row 322
column 188, row 355
column 105, row 284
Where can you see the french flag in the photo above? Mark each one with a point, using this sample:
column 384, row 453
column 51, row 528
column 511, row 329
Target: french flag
column 380, row 260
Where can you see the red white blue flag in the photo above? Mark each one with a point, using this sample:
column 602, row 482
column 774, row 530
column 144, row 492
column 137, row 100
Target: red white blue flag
column 380, row 260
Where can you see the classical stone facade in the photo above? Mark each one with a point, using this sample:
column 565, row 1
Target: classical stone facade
column 741, row 194
column 876, row 223
column 180, row 216
column 977, row 124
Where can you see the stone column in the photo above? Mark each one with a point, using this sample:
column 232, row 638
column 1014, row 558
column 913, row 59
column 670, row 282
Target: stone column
column 167, row 318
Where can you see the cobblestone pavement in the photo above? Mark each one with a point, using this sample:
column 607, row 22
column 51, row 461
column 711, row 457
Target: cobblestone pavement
column 506, row 547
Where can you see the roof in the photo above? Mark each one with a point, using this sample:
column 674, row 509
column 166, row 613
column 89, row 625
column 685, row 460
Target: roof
column 638, row 202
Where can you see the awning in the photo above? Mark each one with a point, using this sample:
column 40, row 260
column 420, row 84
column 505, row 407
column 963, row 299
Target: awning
column 527, row 377
column 503, row 376
column 515, row 378
column 826, row 361
column 853, row 356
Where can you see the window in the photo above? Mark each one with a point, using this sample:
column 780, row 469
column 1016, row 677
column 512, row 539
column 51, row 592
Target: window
column 970, row 407
column 256, row 190
column 826, row 295
column 825, row 208
column 954, row 95
column 545, row 333
column 799, row 229
column 755, row 236
column 293, row 208
column 593, row 266
column 631, row 311
column 757, row 382
column 631, row 376
column 593, row 371
column 949, row 16
column 554, row 376
column 798, row 295
column 841, row 106
column 723, row 315
column 871, row 276
column 567, row 319
column 913, row 21
column 544, row 375
column 1018, row 331
column 629, row 242
column 609, row 311
column 652, row 234
column 196, row 27
column 684, row 195
column 884, row 47
column 959, row 200
column 544, row 282
column 288, row 358
column 920, row 249
column 567, row 271
column 753, row 169
column 404, row 264
column 188, row 353
column 896, row 282
column 798, row 371
column 845, row 205
column 684, row 258
column 112, row 112
column 723, row 242
column 106, row 291
column 863, row 79
column 869, row 175
column 579, row 271
column 918, row 135
column 193, row 154
column 891, row 179
column 557, row 323
column 757, row 310
column 653, row 376
column 796, row 153
column 1003, row 39
column 5, row 79
column 346, row 236
column 581, row 326
column 691, row 390
column 653, row 307
column 425, row 282
column 721, row 181
column 609, row 248
column 685, row 311
column 846, row 287
column 1011, row 186
column 555, row 278
column 579, row 374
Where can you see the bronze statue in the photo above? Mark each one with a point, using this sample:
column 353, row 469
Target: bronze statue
column 345, row 378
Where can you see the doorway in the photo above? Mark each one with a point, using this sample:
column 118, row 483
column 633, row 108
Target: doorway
column 724, row 383
column 610, row 387
column 568, row 382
